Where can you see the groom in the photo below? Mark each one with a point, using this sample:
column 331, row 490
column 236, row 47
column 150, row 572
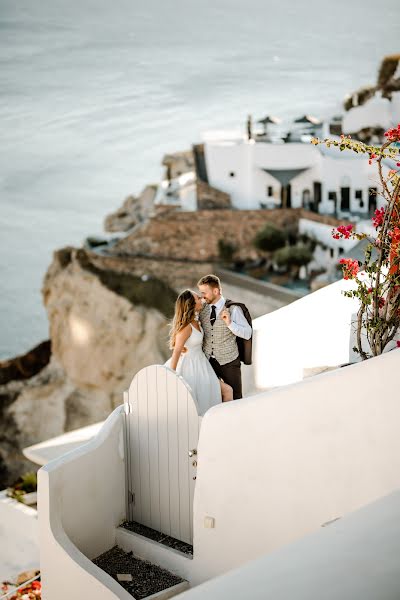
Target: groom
column 221, row 327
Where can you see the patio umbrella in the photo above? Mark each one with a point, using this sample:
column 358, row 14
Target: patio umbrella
column 267, row 120
column 308, row 119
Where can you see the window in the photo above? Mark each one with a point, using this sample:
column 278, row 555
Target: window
column 359, row 195
column 332, row 196
column 331, row 252
column 232, row 174
column 270, row 191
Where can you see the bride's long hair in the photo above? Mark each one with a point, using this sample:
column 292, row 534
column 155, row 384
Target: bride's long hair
column 185, row 311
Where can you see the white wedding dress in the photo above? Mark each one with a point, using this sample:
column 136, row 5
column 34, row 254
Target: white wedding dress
column 195, row 369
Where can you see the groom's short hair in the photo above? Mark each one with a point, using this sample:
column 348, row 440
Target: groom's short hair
column 211, row 280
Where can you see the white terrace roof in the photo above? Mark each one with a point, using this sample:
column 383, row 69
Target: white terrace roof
column 43, row 452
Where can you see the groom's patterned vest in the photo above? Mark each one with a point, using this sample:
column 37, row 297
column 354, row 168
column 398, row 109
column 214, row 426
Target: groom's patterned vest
column 218, row 340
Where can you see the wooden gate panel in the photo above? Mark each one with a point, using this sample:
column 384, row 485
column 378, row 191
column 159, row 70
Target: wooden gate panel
column 162, row 427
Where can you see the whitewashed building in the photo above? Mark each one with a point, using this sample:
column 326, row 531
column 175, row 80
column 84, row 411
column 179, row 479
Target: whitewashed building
column 265, row 174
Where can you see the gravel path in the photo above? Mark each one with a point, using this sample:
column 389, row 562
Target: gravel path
column 157, row 536
column 147, row 578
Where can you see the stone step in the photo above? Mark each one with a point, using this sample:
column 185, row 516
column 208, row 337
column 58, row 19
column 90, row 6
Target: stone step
column 148, row 581
column 151, row 545
column 157, row 536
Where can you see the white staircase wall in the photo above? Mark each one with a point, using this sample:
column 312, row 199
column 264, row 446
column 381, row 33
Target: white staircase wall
column 81, row 502
column 276, row 466
column 355, row 558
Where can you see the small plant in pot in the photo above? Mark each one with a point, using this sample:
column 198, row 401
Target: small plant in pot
column 24, row 489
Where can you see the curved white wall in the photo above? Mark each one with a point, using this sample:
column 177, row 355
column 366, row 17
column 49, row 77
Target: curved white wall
column 81, row 502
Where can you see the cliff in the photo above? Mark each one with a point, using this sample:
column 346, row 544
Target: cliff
column 105, row 325
column 133, row 211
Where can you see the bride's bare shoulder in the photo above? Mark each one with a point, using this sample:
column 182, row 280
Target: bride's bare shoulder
column 185, row 332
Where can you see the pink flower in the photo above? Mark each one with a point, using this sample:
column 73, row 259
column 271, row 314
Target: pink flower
column 398, row 343
column 393, row 135
column 350, row 268
column 377, row 219
column 343, row 231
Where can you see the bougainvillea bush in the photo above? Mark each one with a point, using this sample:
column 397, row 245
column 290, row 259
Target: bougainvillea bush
column 29, row 591
column 377, row 280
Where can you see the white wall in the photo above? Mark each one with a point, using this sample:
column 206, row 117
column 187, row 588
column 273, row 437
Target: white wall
column 276, row 466
column 314, row 331
column 81, row 502
column 247, row 159
column 19, row 548
column 354, row 558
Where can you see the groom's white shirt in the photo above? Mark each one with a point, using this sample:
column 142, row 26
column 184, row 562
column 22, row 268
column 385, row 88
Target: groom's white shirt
column 239, row 325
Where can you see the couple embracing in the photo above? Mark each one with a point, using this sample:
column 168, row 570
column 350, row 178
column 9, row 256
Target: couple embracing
column 210, row 337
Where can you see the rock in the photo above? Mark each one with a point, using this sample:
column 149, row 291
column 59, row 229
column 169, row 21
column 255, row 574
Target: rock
column 26, row 365
column 105, row 325
column 178, row 163
column 31, row 410
column 134, row 210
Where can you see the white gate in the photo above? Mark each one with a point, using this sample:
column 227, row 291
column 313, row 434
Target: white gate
column 161, row 434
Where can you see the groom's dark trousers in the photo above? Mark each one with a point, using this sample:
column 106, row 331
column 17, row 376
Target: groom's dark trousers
column 231, row 375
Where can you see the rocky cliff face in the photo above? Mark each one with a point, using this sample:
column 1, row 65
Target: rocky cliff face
column 133, row 211
column 105, row 325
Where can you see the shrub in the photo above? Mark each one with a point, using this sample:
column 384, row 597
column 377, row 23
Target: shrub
column 226, row 250
column 293, row 257
column 270, row 238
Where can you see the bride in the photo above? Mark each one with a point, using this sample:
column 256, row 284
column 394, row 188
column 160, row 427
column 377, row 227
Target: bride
column 188, row 358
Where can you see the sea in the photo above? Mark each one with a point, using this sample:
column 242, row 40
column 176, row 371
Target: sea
column 94, row 93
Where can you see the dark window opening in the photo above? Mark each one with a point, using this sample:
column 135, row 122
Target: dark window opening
column 345, row 199
column 270, row 190
column 332, row 196
column 359, row 195
column 372, row 199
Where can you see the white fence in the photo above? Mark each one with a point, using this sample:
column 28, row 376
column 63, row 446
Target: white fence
column 162, row 435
